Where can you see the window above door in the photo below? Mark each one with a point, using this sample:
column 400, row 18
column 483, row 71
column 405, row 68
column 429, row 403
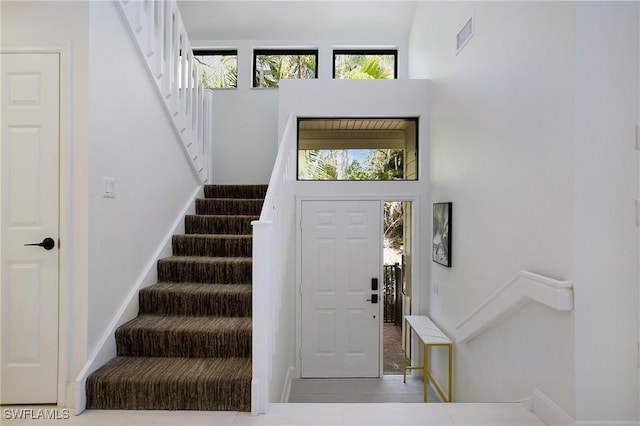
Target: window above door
column 336, row 149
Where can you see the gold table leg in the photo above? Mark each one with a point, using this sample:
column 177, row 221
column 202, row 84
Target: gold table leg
column 425, row 369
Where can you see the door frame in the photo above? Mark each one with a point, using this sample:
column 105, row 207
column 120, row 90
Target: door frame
column 415, row 288
column 64, row 200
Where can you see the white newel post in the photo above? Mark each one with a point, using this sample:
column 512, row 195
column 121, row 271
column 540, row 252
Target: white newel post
column 261, row 350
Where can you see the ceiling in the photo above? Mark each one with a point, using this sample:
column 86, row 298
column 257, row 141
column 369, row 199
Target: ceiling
column 297, row 20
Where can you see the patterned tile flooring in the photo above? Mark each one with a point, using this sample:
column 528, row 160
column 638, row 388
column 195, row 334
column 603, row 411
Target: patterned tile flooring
column 393, row 349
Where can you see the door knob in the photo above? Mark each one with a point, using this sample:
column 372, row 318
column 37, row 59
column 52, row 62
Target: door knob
column 47, row 244
column 374, row 298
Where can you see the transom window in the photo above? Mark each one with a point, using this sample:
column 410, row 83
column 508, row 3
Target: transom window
column 272, row 65
column 365, row 64
column 357, row 149
column 218, row 69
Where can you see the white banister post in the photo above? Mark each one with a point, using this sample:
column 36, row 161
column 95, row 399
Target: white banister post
column 261, row 350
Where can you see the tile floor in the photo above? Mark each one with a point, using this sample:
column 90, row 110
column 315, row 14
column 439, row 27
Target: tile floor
column 398, row 414
column 390, row 389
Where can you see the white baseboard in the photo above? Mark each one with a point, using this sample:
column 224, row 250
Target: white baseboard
column 548, row 411
column 106, row 348
column 286, row 390
column 608, row 423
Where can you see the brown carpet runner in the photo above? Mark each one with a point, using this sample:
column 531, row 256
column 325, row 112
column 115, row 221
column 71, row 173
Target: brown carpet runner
column 190, row 346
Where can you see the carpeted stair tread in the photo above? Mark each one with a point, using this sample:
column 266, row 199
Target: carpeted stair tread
column 216, row 270
column 235, row 191
column 212, row 245
column 219, row 224
column 143, row 383
column 189, row 348
column 185, row 336
column 233, row 300
column 229, row 206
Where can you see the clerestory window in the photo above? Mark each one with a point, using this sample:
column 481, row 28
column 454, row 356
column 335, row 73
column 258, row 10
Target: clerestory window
column 365, row 64
column 272, row 65
column 217, row 69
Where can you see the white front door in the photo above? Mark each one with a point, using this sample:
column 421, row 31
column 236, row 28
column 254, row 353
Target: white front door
column 30, row 142
column 341, row 324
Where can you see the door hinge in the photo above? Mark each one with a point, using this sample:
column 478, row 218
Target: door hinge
column 300, row 354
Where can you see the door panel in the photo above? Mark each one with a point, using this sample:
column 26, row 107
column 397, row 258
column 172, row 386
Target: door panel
column 341, row 245
column 30, row 143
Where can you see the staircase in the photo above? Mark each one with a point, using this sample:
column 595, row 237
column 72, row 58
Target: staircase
column 189, row 348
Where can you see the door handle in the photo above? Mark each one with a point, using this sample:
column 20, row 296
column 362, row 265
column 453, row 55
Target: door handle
column 374, row 298
column 47, row 244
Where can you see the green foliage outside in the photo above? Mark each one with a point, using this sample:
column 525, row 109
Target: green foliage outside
column 337, row 164
column 270, row 69
column 218, row 71
column 359, row 67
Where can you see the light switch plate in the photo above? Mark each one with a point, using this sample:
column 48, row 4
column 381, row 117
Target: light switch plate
column 108, row 187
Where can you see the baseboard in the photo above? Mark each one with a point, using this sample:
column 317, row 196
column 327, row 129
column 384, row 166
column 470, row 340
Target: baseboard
column 286, row 390
column 608, row 423
column 548, row 411
column 106, row 348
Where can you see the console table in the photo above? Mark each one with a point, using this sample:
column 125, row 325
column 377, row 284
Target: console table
column 430, row 335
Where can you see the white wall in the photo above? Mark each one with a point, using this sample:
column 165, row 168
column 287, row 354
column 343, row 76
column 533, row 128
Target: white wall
column 132, row 141
column 245, row 119
column 349, row 98
column 501, row 137
column 33, row 24
column 607, row 108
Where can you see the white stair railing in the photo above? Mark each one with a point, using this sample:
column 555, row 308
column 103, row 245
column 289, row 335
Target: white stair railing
column 523, row 288
column 157, row 27
column 271, row 237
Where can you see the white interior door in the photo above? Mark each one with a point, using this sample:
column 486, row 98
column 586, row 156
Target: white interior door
column 30, row 135
column 341, row 326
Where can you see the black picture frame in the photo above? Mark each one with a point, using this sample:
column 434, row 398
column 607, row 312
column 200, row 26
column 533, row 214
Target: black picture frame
column 441, row 238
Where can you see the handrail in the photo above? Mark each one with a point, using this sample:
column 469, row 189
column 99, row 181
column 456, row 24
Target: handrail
column 520, row 290
column 271, row 237
column 162, row 40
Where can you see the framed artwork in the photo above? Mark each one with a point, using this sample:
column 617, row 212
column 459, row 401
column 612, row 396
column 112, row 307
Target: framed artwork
column 442, row 234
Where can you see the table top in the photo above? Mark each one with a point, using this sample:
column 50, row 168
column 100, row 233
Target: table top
column 427, row 331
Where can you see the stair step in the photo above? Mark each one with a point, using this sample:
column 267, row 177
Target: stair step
column 137, row 383
column 183, row 336
column 235, row 191
column 212, row 245
column 219, row 224
column 225, row 300
column 229, row 206
column 215, row 270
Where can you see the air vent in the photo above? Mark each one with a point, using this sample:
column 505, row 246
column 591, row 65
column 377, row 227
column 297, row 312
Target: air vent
column 464, row 35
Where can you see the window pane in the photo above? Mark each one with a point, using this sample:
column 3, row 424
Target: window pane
column 351, row 164
column 217, row 70
column 357, row 149
column 272, row 66
column 358, row 65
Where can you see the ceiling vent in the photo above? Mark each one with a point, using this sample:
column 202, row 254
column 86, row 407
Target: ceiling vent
column 464, row 35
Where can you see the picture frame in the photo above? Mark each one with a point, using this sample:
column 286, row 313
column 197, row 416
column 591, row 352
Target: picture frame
column 441, row 238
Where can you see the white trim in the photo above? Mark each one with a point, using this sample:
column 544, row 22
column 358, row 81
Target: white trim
column 106, row 347
column 65, row 139
column 608, row 423
column 548, row 411
column 521, row 289
column 286, row 390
